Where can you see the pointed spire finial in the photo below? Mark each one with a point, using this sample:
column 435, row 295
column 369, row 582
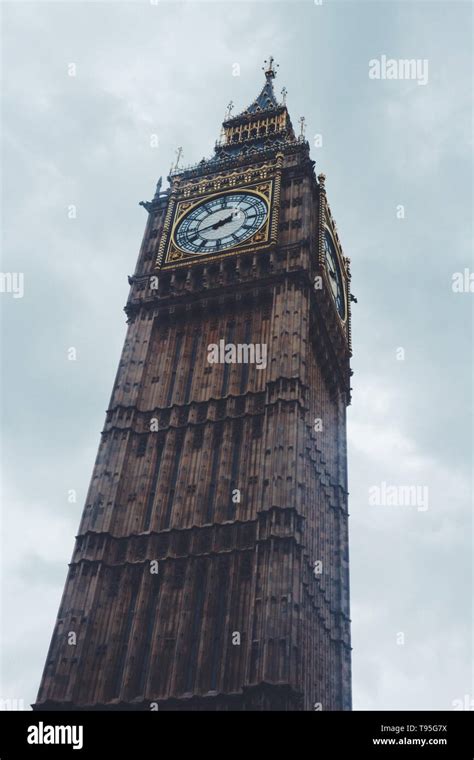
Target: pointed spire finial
column 179, row 153
column 270, row 68
column 303, row 127
column 158, row 188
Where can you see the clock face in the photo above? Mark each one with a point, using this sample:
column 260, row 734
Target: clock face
column 335, row 277
column 221, row 223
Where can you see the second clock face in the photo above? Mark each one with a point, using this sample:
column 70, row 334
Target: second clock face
column 335, row 277
column 221, row 223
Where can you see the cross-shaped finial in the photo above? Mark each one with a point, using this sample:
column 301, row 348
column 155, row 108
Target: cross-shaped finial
column 229, row 110
column 284, row 93
column 270, row 72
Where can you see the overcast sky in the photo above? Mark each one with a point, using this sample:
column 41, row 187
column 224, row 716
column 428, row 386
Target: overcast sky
column 167, row 69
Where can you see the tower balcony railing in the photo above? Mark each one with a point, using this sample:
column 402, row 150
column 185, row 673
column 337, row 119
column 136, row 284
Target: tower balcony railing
column 216, row 163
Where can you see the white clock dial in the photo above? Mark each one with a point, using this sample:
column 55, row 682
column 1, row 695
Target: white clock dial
column 222, row 222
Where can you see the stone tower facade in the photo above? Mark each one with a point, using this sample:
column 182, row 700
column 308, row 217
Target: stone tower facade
column 211, row 569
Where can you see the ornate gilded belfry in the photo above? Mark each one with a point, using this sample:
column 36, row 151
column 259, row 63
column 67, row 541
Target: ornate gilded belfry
column 211, row 567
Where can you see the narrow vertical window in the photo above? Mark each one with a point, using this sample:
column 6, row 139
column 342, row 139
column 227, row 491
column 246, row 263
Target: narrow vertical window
column 245, row 367
column 173, row 479
column 217, row 440
column 123, row 645
column 192, row 363
column 176, row 355
column 218, row 627
column 154, row 481
column 145, row 650
column 195, row 638
column 225, row 379
column 234, row 474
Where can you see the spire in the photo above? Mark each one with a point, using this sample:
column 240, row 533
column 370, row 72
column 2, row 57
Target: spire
column 150, row 205
column 264, row 123
column 266, row 100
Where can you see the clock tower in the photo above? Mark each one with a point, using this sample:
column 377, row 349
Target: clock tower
column 211, row 569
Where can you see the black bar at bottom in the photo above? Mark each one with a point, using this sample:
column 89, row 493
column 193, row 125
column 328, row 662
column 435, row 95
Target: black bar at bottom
column 317, row 734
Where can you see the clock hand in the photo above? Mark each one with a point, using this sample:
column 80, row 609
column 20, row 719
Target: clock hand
column 214, row 226
column 221, row 222
column 201, row 229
